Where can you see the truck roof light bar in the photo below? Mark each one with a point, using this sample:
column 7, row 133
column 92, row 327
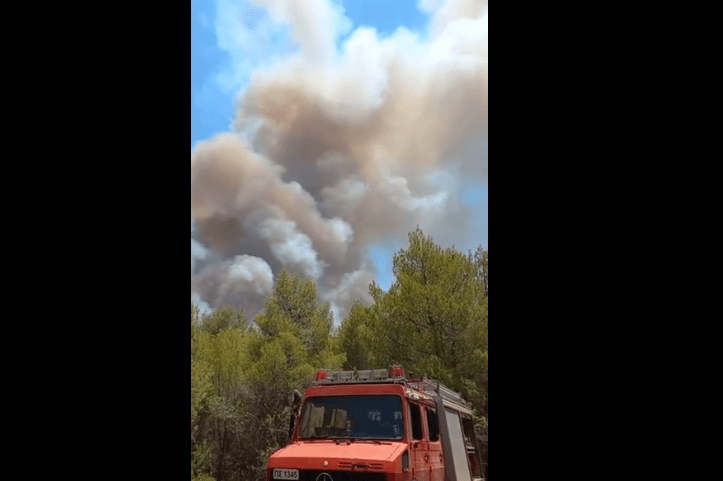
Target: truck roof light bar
column 373, row 375
column 394, row 375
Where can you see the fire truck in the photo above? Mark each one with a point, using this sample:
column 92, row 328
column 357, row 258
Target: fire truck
column 379, row 426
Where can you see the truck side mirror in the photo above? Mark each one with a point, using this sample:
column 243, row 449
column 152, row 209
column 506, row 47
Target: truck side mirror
column 295, row 405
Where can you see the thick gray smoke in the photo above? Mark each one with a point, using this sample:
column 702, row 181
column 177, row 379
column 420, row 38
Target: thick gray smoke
column 334, row 151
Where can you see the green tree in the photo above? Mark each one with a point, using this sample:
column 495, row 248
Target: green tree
column 224, row 319
column 218, row 393
column 357, row 337
column 292, row 340
column 201, row 389
column 242, row 376
column 433, row 321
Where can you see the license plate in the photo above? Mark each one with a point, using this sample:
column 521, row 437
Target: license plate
column 286, row 474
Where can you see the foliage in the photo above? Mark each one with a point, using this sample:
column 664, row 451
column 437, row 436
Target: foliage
column 433, row 321
column 241, row 377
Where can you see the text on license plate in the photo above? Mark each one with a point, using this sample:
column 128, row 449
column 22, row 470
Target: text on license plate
column 286, row 474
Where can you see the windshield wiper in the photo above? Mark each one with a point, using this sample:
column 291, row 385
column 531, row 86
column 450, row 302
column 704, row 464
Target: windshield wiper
column 341, row 441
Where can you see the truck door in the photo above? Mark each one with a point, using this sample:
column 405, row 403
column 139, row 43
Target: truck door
column 436, row 453
column 419, row 448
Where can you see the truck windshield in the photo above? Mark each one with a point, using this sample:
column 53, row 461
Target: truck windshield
column 353, row 417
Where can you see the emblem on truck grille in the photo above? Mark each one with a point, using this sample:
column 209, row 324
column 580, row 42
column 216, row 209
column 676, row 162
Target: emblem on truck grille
column 324, row 477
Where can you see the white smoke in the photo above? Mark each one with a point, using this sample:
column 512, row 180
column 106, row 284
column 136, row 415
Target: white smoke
column 242, row 282
column 198, row 253
column 335, row 150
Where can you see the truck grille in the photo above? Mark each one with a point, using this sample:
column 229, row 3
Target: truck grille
column 342, row 476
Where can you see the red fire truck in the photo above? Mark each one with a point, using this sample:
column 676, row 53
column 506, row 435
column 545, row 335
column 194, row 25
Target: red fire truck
column 379, row 426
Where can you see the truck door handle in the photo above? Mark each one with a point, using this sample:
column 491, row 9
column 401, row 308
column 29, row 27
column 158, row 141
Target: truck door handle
column 426, row 458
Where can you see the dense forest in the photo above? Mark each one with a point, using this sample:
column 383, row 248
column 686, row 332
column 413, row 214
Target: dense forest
column 433, row 321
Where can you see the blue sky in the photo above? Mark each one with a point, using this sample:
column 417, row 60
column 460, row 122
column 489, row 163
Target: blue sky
column 218, row 75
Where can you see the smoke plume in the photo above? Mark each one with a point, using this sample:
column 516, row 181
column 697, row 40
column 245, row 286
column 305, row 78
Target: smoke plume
column 336, row 149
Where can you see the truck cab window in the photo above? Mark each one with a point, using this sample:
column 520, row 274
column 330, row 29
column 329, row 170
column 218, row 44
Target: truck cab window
column 433, row 425
column 352, row 417
column 415, row 417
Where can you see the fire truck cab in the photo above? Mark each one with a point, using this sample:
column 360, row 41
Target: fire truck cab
column 379, row 426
